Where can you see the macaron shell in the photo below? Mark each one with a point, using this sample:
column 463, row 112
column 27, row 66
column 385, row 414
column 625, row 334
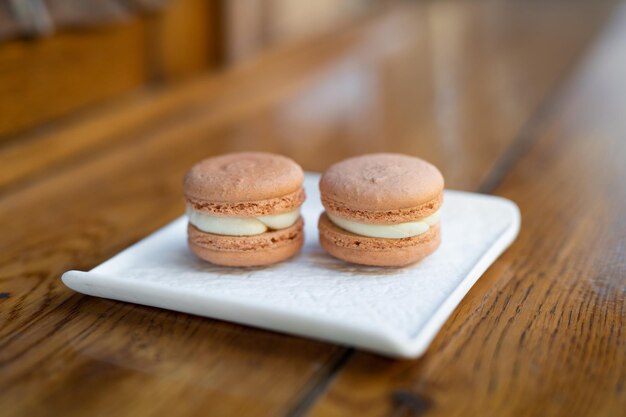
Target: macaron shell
column 258, row 250
column 381, row 182
column 376, row 251
column 384, row 216
column 243, row 177
column 266, row 207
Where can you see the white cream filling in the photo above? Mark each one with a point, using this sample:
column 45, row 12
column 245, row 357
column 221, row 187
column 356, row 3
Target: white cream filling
column 387, row 231
column 241, row 226
column 280, row 221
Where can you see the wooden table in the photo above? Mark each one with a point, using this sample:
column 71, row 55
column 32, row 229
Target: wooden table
column 521, row 99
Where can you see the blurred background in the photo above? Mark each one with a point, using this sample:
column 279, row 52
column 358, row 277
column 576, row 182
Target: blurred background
column 451, row 81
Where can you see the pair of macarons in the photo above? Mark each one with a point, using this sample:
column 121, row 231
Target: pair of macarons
column 380, row 209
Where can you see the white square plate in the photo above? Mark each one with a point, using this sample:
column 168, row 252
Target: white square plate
column 393, row 311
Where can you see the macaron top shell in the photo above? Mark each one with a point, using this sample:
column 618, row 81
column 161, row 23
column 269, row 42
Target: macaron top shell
column 245, row 176
column 246, row 183
column 382, row 188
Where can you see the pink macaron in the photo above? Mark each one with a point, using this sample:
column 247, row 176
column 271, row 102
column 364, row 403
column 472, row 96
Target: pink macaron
column 244, row 208
column 381, row 209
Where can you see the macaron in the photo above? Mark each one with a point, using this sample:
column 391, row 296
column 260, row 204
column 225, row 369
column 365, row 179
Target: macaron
column 381, row 209
column 244, row 209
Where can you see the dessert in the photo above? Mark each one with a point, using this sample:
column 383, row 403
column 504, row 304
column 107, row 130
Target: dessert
column 244, row 208
column 381, row 209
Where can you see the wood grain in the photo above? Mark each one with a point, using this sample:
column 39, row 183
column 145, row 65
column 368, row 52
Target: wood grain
column 544, row 331
column 374, row 87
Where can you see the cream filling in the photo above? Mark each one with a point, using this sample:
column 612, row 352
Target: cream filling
column 387, row 231
column 241, row 226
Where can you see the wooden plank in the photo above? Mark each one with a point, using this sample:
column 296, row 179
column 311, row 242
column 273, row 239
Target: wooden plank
column 47, row 78
column 64, row 354
column 543, row 332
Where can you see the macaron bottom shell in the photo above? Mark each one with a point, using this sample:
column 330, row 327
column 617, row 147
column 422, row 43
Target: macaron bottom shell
column 370, row 251
column 257, row 250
